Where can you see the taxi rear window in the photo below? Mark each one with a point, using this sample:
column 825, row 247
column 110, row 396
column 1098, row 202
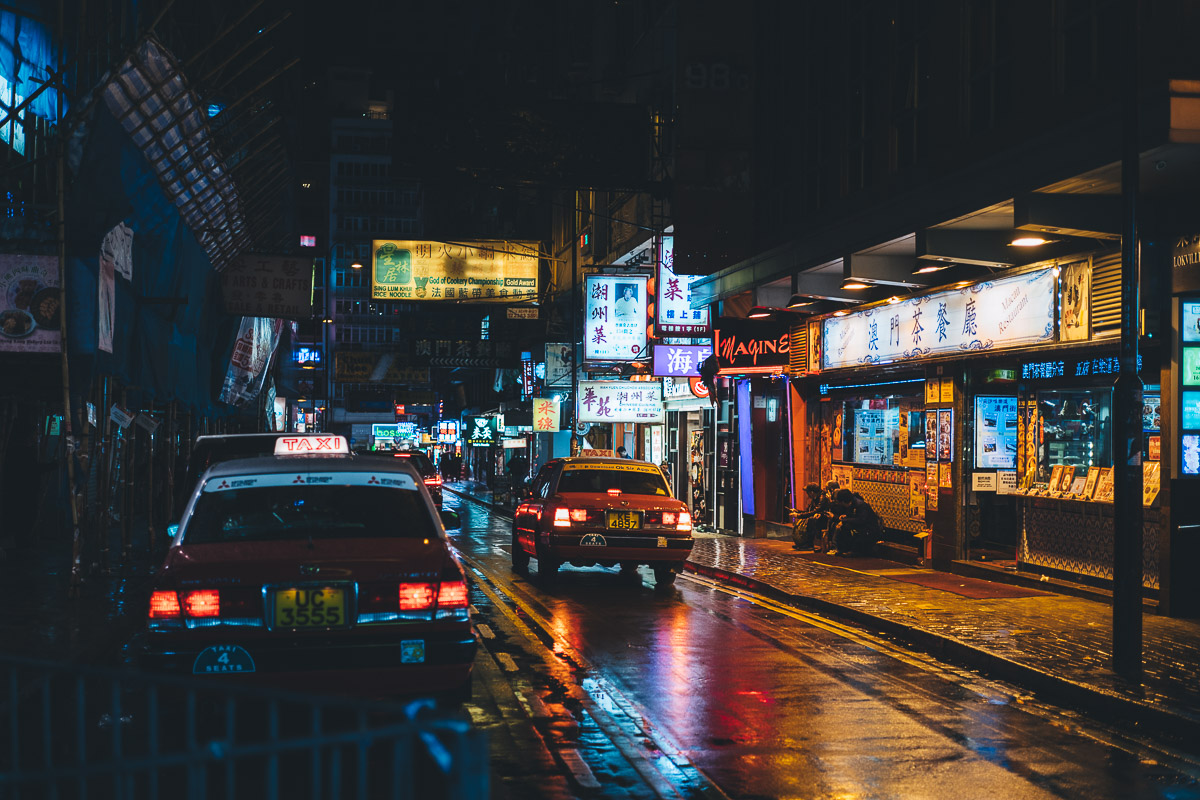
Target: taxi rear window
column 601, row 480
column 283, row 513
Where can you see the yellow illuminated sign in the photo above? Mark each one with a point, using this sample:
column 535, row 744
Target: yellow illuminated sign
column 613, row 467
column 490, row 271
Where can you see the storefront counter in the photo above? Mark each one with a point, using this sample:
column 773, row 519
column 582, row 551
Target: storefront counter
column 1075, row 536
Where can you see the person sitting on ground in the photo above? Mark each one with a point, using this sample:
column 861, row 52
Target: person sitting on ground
column 810, row 523
column 857, row 524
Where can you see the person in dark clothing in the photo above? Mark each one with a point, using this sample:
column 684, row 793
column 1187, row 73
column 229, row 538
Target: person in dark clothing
column 810, row 523
column 857, row 524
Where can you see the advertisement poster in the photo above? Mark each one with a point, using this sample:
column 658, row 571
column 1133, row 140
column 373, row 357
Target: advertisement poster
column 932, row 392
column 483, row 271
column 1189, row 411
column 268, row 286
column 931, row 483
column 256, row 343
column 1191, row 366
column 916, row 495
column 29, row 320
column 931, row 437
column 947, row 393
column 814, row 347
column 1190, row 310
column 992, row 315
column 560, row 365
column 995, row 432
column 545, row 415
column 614, row 326
column 844, row 475
column 1076, row 285
column 944, row 481
column 945, row 434
column 673, row 312
column 620, row 401
column 1191, row 454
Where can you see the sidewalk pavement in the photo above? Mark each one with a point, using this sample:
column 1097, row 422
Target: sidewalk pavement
column 1054, row 645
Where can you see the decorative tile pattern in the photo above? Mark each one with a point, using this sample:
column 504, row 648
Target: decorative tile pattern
column 1077, row 537
column 888, row 497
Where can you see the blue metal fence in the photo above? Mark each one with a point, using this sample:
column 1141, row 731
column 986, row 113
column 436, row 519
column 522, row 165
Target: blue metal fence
column 72, row 732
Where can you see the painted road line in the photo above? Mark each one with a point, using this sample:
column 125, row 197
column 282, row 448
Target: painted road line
column 507, row 663
column 485, row 631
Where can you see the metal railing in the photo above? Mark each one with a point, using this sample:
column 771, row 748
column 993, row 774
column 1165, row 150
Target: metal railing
column 74, row 732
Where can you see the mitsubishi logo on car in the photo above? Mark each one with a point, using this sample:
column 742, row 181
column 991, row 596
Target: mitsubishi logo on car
column 309, row 569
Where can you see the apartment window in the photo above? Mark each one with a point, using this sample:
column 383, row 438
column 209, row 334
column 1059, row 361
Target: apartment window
column 992, row 31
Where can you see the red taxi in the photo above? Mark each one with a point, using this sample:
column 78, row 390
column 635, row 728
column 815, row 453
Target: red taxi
column 606, row 511
column 317, row 570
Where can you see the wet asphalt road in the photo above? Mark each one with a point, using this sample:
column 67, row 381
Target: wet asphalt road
column 706, row 691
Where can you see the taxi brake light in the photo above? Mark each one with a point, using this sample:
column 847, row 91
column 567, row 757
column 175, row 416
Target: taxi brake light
column 164, row 604
column 579, row 515
column 668, row 518
column 452, row 595
column 436, row 480
column 416, row 596
column 685, row 521
column 614, row 492
column 562, row 518
column 203, row 603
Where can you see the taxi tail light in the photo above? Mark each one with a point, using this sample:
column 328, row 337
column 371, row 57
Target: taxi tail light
column 668, row 517
column 202, row 603
column 684, row 521
column 436, row 480
column 416, row 596
column 529, row 508
column 562, row 517
column 452, row 594
column 614, row 492
column 164, row 604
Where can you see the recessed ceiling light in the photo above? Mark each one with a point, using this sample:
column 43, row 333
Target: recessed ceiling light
column 850, row 283
column 927, row 268
column 1028, row 241
column 893, row 300
column 841, row 313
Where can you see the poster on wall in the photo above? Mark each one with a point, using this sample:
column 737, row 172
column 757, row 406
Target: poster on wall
column 1190, row 310
column 614, row 324
column 814, row 347
column 835, row 436
column 932, row 392
column 560, row 364
column 945, row 434
column 916, row 495
column 931, row 435
column 995, row 432
column 931, row 483
column 844, row 475
column 944, row 476
column 1076, row 286
column 1191, row 366
column 29, row 319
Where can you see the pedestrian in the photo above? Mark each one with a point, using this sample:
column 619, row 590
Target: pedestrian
column 857, row 524
column 809, row 524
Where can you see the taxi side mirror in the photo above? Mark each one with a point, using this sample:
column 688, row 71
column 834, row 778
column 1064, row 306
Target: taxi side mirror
column 172, row 531
column 450, row 519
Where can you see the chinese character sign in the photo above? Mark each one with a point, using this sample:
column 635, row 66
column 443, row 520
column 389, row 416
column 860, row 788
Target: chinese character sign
column 268, row 286
column 679, row 360
column 674, row 315
column 986, row 316
column 545, row 415
column 614, row 325
column 491, row 271
column 620, row 401
column 560, row 364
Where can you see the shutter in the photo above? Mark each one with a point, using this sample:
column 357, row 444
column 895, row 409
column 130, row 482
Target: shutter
column 1106, row 295
column 798, row 349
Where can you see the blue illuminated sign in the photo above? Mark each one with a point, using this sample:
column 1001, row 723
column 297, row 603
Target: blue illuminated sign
column 1044, row 370
column 307, row 354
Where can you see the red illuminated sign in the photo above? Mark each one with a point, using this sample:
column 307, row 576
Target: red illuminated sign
column 750, row 346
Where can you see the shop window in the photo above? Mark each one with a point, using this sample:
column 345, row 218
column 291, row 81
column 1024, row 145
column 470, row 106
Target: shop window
column 879, row 430
column 1072, row 429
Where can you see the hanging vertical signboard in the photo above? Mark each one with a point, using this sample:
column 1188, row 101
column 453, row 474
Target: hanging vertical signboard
column 674, row 315
column 614, row 327
column 1076, row 286
column 29, row 295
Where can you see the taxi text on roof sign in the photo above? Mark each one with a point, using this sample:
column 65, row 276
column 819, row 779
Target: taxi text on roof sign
column 311, row 445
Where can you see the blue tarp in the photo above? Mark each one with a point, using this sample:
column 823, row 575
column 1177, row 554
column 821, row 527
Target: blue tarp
column 169, row 352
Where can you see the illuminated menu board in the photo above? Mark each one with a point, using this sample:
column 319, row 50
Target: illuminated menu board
column 1189, row 395
column 996, row 432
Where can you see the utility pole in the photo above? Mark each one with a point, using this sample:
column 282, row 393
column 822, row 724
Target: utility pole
column 1127, row 393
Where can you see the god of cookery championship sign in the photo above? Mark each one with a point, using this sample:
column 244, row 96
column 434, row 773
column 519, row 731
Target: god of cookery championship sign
column 489, row 271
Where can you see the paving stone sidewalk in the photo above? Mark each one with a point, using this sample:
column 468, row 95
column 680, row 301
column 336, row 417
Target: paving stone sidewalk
column 1056, row 645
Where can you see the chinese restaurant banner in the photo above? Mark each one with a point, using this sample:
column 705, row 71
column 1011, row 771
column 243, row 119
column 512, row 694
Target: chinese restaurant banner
column 488, row 271
column 481, row 431
column 29, row 296
column 744, row 346
column 257, row 339
column 545, row 415
column 620, row 401
column 1075, row 283
column 673, row 312
column 985, row 316
column 560, row 364
column 268, row 286
column 679, row 360
column 614, row 326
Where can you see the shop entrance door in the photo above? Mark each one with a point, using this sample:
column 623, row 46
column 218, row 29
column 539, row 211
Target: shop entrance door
column 727, row 499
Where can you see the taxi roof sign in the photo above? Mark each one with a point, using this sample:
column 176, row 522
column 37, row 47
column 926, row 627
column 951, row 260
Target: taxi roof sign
column 312, row 444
